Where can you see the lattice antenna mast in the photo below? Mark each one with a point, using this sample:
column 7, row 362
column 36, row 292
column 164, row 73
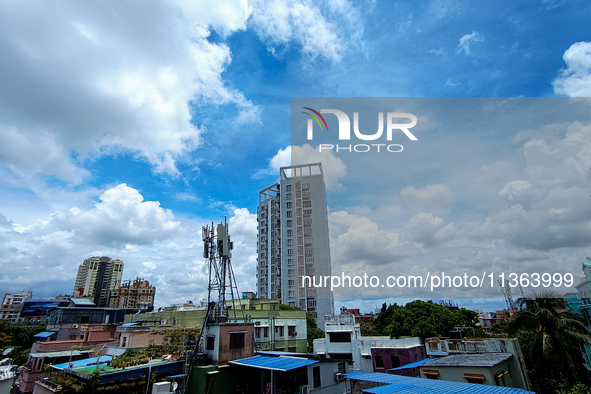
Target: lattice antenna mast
column 217, row 247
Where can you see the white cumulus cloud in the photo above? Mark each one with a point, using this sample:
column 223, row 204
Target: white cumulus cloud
column 96, row 78
column 575, row 80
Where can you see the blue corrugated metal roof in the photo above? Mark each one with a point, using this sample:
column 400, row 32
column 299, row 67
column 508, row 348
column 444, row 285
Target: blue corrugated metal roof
column 45, row 334
column 391, row 388
column 428, row 386
column 274, row 363
column 83, row 363
column 412, row 365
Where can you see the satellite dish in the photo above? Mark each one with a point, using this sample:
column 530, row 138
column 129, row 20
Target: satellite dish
column 7, row 351
column 175, row 385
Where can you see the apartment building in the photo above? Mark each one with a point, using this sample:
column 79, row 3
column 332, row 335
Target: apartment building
column 293, row 240
column 97, row 277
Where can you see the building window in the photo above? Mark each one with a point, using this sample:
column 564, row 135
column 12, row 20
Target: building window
column 431, row 373
column 291, row 349
column 236, row 340
column 289, row 223
column 257, row 332
column 291, row 282
column 379, row 361
column 307, row 204
column 289, row 252
column 265, row 332
column 342, row 368
column 340, row 337
column 288, row 196
column 316, row 375
column 279, row 330
column 288, row 214
column 477, row 378
column 210, row 343
column 395, row 361
column 291, row 331
column 288, row 205
column 287, row 187
column 289, row 233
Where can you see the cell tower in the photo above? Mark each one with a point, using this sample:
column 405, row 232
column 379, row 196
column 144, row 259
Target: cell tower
column 222, row 283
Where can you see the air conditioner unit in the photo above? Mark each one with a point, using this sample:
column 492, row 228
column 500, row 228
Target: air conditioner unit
column 339, row 377
column 305, row 390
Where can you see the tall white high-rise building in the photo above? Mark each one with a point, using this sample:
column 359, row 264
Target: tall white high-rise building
column 97, row 277
column 293, row 240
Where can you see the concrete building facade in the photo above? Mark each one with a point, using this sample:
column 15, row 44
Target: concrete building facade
column 343, row 340
column 274, row 329
column 97, row 277
column 12, row 305
column 293, row 241
column 134, row 295
column 501, row 358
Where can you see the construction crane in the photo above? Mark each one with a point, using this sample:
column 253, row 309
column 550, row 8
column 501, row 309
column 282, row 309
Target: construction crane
column 506, row 290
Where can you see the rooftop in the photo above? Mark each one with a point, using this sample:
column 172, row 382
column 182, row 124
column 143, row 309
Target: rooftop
column 85, row 368
column 274, row 363
column 406, row 385
column 469, row 360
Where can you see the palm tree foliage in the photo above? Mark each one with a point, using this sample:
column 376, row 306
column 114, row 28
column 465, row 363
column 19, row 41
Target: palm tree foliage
column 551, row 337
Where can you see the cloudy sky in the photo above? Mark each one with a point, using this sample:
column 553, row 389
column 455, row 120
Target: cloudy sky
column 125, row 127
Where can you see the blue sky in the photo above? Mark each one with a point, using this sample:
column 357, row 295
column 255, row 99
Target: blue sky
column 126, row 128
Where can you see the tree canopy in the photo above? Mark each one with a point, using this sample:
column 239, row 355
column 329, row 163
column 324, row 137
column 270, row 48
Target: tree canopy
column 423, row 319
column 551, row 337
column 20, row 337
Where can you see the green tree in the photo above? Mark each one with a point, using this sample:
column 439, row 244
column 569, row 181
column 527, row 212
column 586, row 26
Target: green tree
column 312, row 330
column 20, row 337
column 424, row 319
column 578, row 388
column 551, row 337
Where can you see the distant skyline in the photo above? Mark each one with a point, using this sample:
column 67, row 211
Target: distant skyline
column 127, row 127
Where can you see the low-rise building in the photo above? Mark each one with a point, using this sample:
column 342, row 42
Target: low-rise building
column 136, row 294
column 493, row 361
column 343, row 340
column 359, row 318
column 134, row 335
column 37, row 311
column 88, row 324
column 488, row 368
column 109, row 377
column 12, row 305
column 380, row 383
column 284, row 374
column 274, row 328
